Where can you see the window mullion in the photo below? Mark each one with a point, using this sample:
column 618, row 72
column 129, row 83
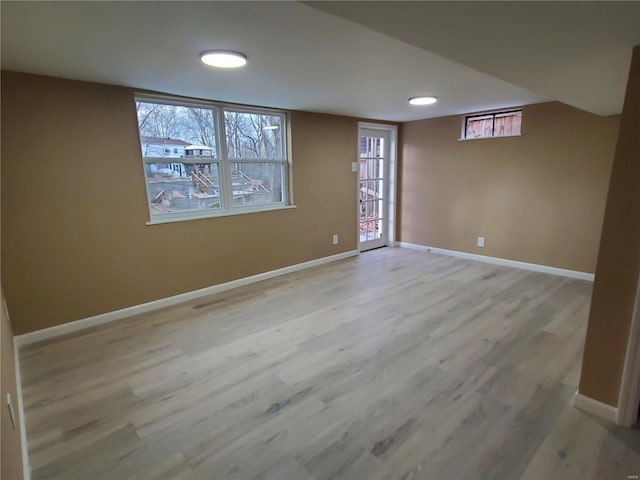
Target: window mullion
column 226, row 177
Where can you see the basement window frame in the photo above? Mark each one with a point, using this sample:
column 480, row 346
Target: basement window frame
column 492, row 115
column 223, row 161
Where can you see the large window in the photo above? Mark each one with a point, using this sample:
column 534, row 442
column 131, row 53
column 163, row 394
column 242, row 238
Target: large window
column 498, row 124
column 206, row 159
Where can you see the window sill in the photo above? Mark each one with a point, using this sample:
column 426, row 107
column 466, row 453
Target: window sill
column 489, row 138
column 187, row 218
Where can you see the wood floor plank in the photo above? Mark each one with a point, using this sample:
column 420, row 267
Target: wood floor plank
column 393, row 365
column 570, row 450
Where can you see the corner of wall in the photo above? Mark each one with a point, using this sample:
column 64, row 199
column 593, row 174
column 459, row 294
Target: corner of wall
column 14, row 449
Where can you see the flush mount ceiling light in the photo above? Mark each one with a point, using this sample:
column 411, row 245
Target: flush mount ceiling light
column 223, row 59
column 422, row 100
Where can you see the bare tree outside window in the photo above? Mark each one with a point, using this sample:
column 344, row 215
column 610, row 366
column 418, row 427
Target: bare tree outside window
column 190, row 124
column 256, row 136
column 253, row 136
column 202, row 126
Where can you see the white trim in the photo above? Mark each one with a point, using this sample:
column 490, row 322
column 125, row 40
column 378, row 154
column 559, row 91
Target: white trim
column 168, row 99
column 176, row 299
column 487, row 138
column 26, row 468
column 629, row 399
column 159, row 219
column 501, row 261
column 595, row 407
column 392, row 193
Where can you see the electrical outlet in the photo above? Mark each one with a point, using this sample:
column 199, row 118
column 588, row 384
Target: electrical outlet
column 481, row 241
column 354, row 166
column 335, row 239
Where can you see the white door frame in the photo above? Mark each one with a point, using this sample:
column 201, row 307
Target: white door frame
column 629, row 399
column 391, row 181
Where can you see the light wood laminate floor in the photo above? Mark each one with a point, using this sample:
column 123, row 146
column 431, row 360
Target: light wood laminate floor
column 396, row 364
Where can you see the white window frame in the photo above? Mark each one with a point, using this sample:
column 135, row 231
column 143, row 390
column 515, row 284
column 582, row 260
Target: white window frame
column 493, row 114
column 223, row 161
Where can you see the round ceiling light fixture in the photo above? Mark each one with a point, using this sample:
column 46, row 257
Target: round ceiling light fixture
column 422, row 100
column 223, row 59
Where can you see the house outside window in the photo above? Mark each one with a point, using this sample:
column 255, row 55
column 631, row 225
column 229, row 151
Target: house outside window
column 224, row 159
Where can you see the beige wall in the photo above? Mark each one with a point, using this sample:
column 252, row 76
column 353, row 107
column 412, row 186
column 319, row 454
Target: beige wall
column 614, row 290
column 11, row 446
column 10, row 437
column 537, row 198
column 74, row 239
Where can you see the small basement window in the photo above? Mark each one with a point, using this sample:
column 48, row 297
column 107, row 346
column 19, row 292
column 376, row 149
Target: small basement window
column 488, row 125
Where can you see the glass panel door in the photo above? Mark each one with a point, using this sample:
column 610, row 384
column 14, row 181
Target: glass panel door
column 373, row 191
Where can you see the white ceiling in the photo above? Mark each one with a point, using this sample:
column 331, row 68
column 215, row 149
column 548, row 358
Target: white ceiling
column 303, row 58
column 575, row 52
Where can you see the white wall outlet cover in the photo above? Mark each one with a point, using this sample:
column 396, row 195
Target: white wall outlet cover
column 481, row 241
column 335, row 239
column 354, row 166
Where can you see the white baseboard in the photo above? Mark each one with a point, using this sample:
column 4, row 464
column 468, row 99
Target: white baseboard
column 26, row 468
column 88, row 322
column 594, row 407
column 629, row 398
column 501, row 261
